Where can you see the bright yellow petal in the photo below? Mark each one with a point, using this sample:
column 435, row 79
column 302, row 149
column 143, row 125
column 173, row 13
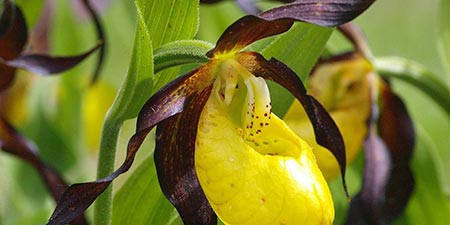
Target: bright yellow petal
column 253, row 169
column 343, row 89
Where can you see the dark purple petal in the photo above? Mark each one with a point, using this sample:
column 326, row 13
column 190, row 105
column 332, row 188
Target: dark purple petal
column 6, row 76
column 12, row 41
column 248, row 6
column 355, row 36
column 251, row 28
column 247, row 30
column 6, row 19
column 44, row 64
column 174, row 159
column 100, row 37
column 174, row 97
column 14, row 143
column 15, row 32
column 388, row 181
column 167, row 102
column 320, row 12
column 397, row 131
column 367, row 206
column 325, row 129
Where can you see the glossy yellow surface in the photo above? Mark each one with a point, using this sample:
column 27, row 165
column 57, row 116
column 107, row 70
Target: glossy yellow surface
column 343, row 89
column 253, row 169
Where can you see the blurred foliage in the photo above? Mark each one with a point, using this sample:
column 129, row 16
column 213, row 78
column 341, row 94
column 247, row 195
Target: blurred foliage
column 54, row 105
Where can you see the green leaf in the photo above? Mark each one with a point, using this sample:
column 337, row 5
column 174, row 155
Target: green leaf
column 299, row 49
column 159, row 22
column 137, row 85
column 141, row 192
column 168, row 21
column 215, row 18
column 417, row 75
column 444, row 33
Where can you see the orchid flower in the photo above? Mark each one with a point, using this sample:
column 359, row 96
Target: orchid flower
column 219, row 148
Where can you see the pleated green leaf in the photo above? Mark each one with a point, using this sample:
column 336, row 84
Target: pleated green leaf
column 168, row 21
column 135, row 89
column 159, row 22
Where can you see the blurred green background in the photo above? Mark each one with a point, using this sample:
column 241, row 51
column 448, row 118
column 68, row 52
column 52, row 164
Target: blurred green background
column 406, row 28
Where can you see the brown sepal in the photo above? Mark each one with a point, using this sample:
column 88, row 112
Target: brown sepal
column 44, row 64
column 12, row 40
column 328, row 13
column 100, row 36
column 174, row 159
column 396, row 128
column 247, row 30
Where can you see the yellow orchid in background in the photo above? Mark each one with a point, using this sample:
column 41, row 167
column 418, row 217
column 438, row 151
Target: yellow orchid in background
column 96, row 102
column 341, row 85
column 12, row 101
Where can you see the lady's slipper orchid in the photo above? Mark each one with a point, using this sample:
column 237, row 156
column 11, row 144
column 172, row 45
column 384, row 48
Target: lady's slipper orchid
column 243, row 161
column 219, row 149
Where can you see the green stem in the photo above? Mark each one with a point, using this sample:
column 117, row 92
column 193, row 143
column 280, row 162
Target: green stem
column 180, row 52
column 106, row 159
